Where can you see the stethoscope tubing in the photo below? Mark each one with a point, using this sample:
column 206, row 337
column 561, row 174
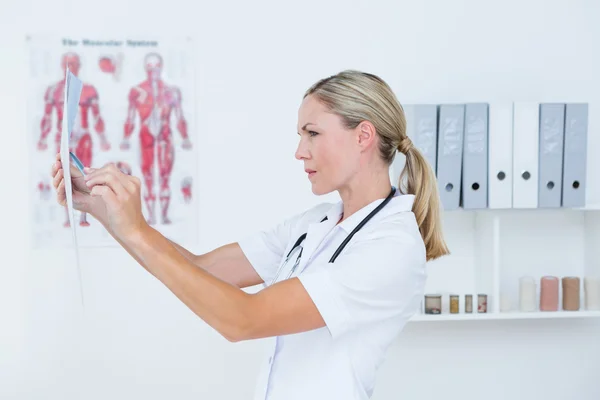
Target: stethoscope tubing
column 340, row 247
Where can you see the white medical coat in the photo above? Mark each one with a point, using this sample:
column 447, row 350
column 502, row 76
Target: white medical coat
column 365, row 297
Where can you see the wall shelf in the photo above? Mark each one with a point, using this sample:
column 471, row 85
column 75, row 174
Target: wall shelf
column 506, row 315
column 492, row 249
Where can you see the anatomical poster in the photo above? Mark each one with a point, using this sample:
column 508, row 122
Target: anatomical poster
column 136, row 110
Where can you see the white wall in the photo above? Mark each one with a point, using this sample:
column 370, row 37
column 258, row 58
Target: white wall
column 135, row 339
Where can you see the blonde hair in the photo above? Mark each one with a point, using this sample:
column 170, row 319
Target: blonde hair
column 358, row 96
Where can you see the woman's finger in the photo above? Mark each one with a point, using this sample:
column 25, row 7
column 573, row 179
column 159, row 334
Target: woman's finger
column 112, row 170
column 57, row 178
column 61, row 195
column 106, row 193
column 125, row 179
column 136, row 183
column 92, row 171
column 54, row 168
column 107, row 179
column 57, row 166
column 131, row 184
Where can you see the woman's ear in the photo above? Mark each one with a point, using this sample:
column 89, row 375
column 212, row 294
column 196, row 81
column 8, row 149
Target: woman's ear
column 366, row 134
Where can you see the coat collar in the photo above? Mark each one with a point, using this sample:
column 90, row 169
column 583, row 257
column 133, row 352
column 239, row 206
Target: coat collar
column 318, row 230
column 399, row 203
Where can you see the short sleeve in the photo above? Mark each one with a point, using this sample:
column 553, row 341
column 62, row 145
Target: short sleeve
column 376, row 278
column 265, row 249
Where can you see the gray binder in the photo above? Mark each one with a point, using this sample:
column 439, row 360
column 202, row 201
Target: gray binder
column 551, row 141
column 575, row 155
column 422, row 130
column 449, row 154
column 475, row 157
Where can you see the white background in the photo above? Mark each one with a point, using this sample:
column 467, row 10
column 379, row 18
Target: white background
column 255, row 59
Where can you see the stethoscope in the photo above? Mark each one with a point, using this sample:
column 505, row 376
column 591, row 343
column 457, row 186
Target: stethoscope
column 298, row 249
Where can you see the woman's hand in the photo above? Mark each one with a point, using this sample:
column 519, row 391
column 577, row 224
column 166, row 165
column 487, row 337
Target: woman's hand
column 82, row 200
column 121, row 200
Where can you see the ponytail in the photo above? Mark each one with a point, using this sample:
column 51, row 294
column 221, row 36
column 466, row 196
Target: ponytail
column 421, row 181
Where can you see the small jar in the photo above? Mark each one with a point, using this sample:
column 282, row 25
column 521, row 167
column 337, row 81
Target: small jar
column 453, row 304
column 591, row 287
column 433, row 304
column 549, row 293
column 482, row 303
column 571, row 293
column 527, row 294
column 468, row 303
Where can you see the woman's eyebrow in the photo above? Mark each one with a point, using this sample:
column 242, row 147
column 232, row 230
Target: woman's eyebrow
column 305, row 125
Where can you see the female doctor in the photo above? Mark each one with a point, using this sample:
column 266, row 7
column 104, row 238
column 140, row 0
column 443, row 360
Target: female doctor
column 340, row 280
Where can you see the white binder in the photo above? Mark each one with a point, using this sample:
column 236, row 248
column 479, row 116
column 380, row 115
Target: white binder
column 500, row 151
column 525, row 154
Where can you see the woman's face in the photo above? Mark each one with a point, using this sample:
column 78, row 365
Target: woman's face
column 330, row 152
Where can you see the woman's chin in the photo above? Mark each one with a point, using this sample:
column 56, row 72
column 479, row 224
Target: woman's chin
column 319, row 190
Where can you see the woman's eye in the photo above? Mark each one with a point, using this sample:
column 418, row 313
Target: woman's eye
column 312, row 133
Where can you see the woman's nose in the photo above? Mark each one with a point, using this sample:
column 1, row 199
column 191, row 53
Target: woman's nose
column 302, row 151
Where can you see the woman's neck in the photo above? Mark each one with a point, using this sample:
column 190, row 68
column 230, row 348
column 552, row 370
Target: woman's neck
column 356, row 196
